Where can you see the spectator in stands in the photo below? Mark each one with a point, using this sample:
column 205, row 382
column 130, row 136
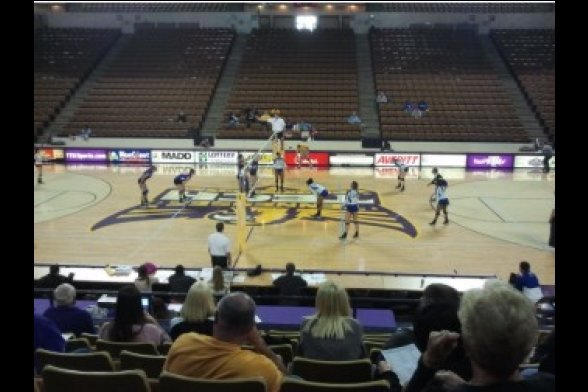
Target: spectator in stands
column 219, row 247
column 547, row 155
column 86, row 132
column 66, row 315
column 250, row 115
column 527, row 282
column 423, row 106
column 408, row 107
column 132, row 323
column 354, row 119
column 54, row 279
column 416, row 113
column 162, row 313
column 181, row 117
column 218, row 284
column 221, row 356
column 145, row 279
column 289, row 285
column 179, row 282
column 46, row 335
column 232, row 120
column 382, row 97
column 197, row 311
column 331, row 334
column 499, row 329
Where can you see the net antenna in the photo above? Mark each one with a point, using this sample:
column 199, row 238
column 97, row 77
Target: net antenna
column 241, row 201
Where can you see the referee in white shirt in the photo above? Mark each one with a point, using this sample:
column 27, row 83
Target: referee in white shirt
column 219, row 247
column 278, row 126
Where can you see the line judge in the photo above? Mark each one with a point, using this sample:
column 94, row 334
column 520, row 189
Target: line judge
column 219, row 247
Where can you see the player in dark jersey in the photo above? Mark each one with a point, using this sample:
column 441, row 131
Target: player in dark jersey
column 180, row 183
column 143, row 185
column 241, row 175
column 252, row 173
column 436, row 177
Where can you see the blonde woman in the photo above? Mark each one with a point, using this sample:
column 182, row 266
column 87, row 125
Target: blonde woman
column 331, row 334
column 217, row 283
column 197, row 311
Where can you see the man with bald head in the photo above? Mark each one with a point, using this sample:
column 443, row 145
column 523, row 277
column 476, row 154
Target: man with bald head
column 220, row 356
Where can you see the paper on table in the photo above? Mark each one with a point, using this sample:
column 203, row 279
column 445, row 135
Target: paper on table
column 403, row 361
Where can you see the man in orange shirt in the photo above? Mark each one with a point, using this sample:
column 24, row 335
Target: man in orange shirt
column 220, row 356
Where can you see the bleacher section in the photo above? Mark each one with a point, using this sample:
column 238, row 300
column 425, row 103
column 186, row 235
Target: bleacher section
column 449, row 70
column 311, row 76
column 530, row 55
column 156, row 7
column 158, row 74
column 62, row 59
column 471, row 8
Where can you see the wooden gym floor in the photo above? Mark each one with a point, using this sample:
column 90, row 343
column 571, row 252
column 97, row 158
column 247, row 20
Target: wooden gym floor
column 90, row 215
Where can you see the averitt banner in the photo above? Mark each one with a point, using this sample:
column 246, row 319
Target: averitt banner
column 129, row 156
column 387, row 159
column 75, row 155
column 488, row 161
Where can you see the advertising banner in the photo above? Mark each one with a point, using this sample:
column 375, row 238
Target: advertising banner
column 129, row 156
column 169, row 156
column 265, row 158
column 387, row 159
column 351, row 160
column 443, row 160
column 52, row 154
column 77, row 155
column 487, row 161
column 531, row 161
column 206, row 157
column 317, row 158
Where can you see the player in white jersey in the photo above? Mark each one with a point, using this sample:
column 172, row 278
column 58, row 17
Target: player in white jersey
column 147, row 174
column 402, row 170
column 352, row 207
column 279, row 167
column 442, row 200
column 321, row 192
column 39, row 165
column 437, row 177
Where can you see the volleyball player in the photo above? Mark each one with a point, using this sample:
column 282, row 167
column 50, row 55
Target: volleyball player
column 442, row 201
column 241, row 177
column 39, row 165
column 143, row 185
column 352, row 207
column 303, row 153
column 321, row 192
column 180, row 183
column 402, row 170
column 436, row 177
column 279, row 166
column 252, row 173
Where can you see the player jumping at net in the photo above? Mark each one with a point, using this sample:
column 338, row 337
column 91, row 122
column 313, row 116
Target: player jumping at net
column 321, row 192
column 279, row 167
column 436, row 177
column 39, row 165
column 180, row 183
column 352, row 207
column 143, row 185
column 303, row 153
column 402, row 170
column 442, row 201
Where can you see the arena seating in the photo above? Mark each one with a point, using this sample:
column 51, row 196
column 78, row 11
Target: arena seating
column 306, row 75
column 530, row 55
column 155, row 7
column 449, row 70
column 471, row 8
column 63, row 57
column 158, row 74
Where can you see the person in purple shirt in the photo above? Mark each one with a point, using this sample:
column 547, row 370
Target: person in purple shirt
column 46, row 336
column 526, row 278
column 66, row 315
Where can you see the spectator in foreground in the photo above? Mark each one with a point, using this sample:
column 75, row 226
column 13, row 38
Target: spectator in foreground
column 132, row 323
column 499, row 329
column 146, row 277
column 46, row 335
column 527, row 282
column 54, row 278
column 218, row 283
column 196, row 314
column 66, row 315
column 179, row 282
column 289, row 285
column 220, row 356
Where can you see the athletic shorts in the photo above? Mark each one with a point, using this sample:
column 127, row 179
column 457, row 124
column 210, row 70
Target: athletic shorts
column 280, row 135
column 352, row 208
column 177, row 182
column 279, row 171
column 443, row 202
column 324, row 193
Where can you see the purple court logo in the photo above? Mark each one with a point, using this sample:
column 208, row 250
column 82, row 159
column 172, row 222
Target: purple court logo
column 266, row 209
column 72, row 155
column 487, row 161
